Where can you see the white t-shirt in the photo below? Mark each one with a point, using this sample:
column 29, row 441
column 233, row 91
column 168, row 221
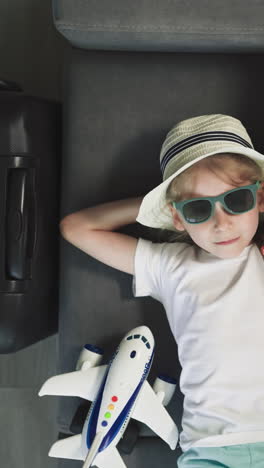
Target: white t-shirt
column 215, row 308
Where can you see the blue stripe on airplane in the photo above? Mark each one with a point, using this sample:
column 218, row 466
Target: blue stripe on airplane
column 125, row 412
column 91, row 430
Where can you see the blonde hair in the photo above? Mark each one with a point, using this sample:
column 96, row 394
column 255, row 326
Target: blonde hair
column 233, row 168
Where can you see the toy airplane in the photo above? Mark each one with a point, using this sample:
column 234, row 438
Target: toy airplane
column 118, row 391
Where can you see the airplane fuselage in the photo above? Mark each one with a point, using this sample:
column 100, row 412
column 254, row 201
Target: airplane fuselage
column 124, row 377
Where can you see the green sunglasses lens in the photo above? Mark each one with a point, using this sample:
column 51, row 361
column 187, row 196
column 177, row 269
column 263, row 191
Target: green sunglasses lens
column 197, row 211
column 240, row 201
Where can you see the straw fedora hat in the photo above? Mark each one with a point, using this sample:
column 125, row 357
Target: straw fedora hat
column 187, row 143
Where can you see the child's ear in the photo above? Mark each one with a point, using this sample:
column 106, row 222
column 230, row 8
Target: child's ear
column 176, row 218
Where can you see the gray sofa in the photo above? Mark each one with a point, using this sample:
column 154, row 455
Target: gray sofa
column 132, row 70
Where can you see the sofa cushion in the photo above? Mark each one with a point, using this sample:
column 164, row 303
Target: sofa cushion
column 166, row 25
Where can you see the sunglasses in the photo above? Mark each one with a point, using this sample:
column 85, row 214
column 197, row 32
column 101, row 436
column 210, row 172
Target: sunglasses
column 236, row 201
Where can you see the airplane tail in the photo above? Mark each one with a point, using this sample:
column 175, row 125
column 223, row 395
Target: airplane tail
column 93, row 450
column 71, row 448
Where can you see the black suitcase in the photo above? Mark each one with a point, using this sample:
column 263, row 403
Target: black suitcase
column 30, row 142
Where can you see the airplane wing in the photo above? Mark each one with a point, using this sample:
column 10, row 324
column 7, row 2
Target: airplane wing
column 84, row 384
column 151, row 412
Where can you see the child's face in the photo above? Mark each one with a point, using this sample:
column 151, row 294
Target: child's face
column 222, row 226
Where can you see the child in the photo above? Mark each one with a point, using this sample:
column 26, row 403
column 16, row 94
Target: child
column 211, row 285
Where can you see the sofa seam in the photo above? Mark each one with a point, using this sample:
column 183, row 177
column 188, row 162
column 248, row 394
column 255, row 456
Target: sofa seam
column 158, row 28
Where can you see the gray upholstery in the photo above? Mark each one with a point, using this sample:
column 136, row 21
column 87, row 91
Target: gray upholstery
column 166, row 25
column 118, row 107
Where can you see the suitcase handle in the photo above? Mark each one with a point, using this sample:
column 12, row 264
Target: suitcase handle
column 21, row 225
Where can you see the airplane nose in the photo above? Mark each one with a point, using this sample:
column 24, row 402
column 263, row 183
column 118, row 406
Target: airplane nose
column 145, row 333
column 142, row 330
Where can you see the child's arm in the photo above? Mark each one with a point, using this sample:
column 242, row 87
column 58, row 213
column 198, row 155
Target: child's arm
column 91, row 231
